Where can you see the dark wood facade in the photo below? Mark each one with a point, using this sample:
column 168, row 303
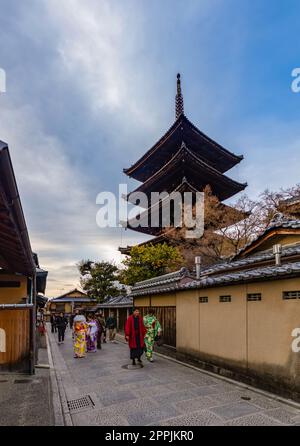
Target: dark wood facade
column 16, row 332
column 167, row 319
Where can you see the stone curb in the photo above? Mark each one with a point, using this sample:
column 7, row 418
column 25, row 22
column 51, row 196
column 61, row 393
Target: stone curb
column 61, row 411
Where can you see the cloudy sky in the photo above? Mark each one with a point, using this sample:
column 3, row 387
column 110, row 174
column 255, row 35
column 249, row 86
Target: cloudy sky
column 91, row 86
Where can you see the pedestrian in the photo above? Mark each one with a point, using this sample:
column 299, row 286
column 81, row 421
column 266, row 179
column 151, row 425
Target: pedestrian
column 111, row 324
column 72, row 317
column 53, row 323
column 134, row 334
column 101, row 329
column 91, row 341
column 80, row 328
column 153, row 329
column 61, row 323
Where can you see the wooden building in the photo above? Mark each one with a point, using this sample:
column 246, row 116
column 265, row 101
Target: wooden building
column 20, row 276
column 120, row 306
column 241, row 317
column 69, row 302
column 183, row 160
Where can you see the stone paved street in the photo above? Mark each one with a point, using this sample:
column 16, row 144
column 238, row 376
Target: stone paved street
column 164, row 393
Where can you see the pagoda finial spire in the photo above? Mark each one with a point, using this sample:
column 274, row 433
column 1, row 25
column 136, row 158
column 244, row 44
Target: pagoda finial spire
column 179, row 110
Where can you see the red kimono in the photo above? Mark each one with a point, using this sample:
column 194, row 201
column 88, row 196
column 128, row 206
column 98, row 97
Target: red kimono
column 134, row 333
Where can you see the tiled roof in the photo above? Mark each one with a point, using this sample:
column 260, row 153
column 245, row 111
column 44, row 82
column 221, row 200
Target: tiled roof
column 159, row 283
column 117, row 301
column 288, row 250
column 279, row 221
column 225, row 273
column 262, row 273
column 72, row 299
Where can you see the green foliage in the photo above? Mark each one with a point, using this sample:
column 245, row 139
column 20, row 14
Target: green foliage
column 149, row 261
column 98, row 279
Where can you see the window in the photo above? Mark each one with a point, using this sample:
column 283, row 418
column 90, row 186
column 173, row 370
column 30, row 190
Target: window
column 225, row 298
column 290, row 295
column 60, row 308
column 203, row 300
column 252, row 297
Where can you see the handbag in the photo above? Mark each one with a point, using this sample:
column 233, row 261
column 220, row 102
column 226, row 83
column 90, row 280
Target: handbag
column 159, row 340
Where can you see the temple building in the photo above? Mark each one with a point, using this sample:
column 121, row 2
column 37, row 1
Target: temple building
column 183, row 160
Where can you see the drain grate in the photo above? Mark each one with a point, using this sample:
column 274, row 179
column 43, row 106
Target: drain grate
column 246, row 398
column 81, row 403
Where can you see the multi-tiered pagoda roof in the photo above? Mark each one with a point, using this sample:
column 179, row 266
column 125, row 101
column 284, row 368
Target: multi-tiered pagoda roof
column 184, row 159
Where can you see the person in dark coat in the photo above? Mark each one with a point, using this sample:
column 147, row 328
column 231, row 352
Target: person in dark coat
column 61, row 323
column 101, row 328
column 53, row 323
column 134, row 334
column 72, row 317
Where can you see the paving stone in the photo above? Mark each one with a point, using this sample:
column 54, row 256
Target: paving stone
column 199, row 418
column 186, row 386
column 175, row 396
column 115, row 396
column 227, row 397
column 157, row 394
column 284, row 415
column 150, row 390
column 131, row 406
column 133, row 378
column 235, row 410
column 265, row 403
column 194, row 405
column 254, row 420
column 151, row 416
column 98, row 418
column 205, row 390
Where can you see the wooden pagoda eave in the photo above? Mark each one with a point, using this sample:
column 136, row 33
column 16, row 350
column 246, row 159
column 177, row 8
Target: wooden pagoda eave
column 207, row 149
column 198, row 173
column 156, row 208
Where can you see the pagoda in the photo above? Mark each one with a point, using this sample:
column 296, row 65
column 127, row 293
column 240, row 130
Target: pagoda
column 185, row 160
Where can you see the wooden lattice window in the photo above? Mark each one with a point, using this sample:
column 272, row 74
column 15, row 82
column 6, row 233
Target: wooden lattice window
column 225, row 299
column 286, row 295
column 253, row 297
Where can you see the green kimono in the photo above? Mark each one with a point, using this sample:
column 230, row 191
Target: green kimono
column 153, row 326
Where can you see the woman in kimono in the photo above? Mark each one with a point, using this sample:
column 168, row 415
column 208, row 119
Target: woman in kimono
column 92, row 334
column 79, row 340
column 153, row 329
column 134, row 335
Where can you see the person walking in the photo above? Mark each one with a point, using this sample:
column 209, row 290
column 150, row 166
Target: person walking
column 91, row 340
column 80, row 328
column 101, row 329
column 53, row 323
column 61, row 323
column 72, row 317
column 153, row 329
column 134, row 334
column 111, row 324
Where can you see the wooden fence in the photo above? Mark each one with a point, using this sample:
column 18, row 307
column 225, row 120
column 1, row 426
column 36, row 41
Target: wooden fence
column 167, row 319
column 15, row 339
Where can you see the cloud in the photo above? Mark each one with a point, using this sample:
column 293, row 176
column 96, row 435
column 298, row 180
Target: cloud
column 90, row 87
